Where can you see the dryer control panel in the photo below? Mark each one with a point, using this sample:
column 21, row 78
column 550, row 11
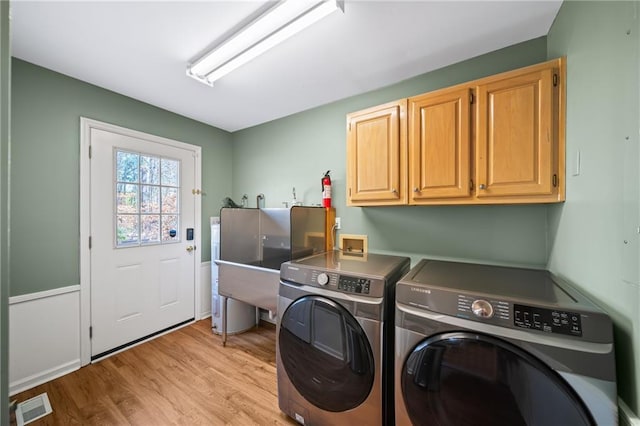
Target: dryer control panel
column 521, row 299
column 492, row 310
column 548, row 320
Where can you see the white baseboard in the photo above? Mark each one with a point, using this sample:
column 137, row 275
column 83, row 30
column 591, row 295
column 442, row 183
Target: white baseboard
column 627, row 417
column 44, row 337
column 43, row 377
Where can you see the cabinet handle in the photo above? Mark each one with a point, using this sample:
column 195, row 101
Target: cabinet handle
column 395, row 191
column 416, row 189
column 483, row 186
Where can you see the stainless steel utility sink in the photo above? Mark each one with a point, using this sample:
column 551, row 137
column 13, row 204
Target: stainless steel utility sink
column 253, row 245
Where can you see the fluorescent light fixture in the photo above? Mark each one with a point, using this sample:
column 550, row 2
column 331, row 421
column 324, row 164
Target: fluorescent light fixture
column 285, row 19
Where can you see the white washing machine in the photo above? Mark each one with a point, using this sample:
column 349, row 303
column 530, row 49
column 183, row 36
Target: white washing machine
column 334, row 348
column 240, row 316
column 488, row 345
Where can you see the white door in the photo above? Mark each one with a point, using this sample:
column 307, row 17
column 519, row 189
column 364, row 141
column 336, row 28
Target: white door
column 142, row 254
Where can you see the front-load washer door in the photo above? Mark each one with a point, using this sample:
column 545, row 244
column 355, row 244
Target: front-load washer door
column 464, row 378
column 326, row 354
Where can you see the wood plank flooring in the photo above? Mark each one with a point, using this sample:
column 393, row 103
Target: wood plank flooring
column 185, row 377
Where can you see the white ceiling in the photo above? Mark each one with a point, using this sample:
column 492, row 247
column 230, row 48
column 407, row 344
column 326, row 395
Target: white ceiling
column 141, row 49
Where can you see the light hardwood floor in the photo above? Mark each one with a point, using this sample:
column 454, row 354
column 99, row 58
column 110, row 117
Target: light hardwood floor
column 185, row 377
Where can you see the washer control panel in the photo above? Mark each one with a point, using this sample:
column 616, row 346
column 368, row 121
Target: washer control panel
column 333, row 281
column 548, row 320
column 354, row 284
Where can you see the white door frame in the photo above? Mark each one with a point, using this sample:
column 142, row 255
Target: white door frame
column 86, row 124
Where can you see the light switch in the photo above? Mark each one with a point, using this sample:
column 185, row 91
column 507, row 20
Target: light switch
column 576, row 164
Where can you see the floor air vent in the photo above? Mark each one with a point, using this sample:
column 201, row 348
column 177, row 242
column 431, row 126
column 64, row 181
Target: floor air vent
column 33, row 409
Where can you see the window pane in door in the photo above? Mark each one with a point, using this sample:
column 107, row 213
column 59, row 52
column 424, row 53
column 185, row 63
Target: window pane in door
column 170, row 227
column 170, row 172
column 127, row 166
column 150, row 229
column 149, row 170
column 127, row 230
column 147, row 199
column 127, row 198
column 150, row 199
column 169, row 200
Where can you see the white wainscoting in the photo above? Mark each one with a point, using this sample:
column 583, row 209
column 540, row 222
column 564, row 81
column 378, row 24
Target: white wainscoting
column 44, row 337
column 44, row 332
column 205, row 291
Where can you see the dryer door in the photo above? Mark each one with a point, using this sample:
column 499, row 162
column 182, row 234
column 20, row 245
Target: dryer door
column 475, row 379
column 326, row 354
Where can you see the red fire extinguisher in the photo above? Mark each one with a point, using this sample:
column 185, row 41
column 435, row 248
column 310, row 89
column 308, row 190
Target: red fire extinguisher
column 326, row 190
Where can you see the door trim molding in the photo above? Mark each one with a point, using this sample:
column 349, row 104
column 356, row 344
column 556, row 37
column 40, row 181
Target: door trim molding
column 86, row 124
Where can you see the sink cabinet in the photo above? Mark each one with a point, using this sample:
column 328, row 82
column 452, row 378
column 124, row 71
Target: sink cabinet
column 496, row 140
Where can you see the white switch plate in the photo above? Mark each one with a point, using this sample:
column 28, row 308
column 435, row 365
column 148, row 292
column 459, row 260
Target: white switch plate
column 338, row 223
column 576, row 164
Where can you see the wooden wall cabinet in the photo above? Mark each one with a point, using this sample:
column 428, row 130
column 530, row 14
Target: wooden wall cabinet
column 496, row 140
column 517, row 140
column 377, row 156
column 440, row 146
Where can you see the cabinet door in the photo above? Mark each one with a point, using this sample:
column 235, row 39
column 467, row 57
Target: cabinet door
column 516, row 137
column 377, row 156
column 439, row 146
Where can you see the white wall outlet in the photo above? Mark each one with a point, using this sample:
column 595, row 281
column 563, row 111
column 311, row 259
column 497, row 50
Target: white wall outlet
column 338, row 223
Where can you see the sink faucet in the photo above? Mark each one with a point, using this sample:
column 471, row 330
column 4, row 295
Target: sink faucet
column 259, row 197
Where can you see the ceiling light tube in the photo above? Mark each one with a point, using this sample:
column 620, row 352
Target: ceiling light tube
column 278, row 24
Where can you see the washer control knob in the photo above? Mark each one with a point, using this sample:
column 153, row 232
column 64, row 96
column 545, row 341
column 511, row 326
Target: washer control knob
column 482, row 308
column 323, row 278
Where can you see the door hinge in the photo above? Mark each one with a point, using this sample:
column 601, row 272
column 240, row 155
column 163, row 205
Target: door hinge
column 90, row 332
column 349, row 126
column 89, row 243
column 471, row 98
column 349, row 192
column 555, row 180
column 471, row 184
column 90, row 151
column 555, row 80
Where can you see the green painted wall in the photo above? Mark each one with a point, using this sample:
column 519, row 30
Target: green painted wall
column 5, row 96
column 593, row 236
column 297, row 150
column 46, row 111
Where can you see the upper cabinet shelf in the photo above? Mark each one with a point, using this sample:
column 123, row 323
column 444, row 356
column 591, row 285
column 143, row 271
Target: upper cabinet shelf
column 496, row 140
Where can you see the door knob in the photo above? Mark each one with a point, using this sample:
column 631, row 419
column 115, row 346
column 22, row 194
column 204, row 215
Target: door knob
column 191, row 248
